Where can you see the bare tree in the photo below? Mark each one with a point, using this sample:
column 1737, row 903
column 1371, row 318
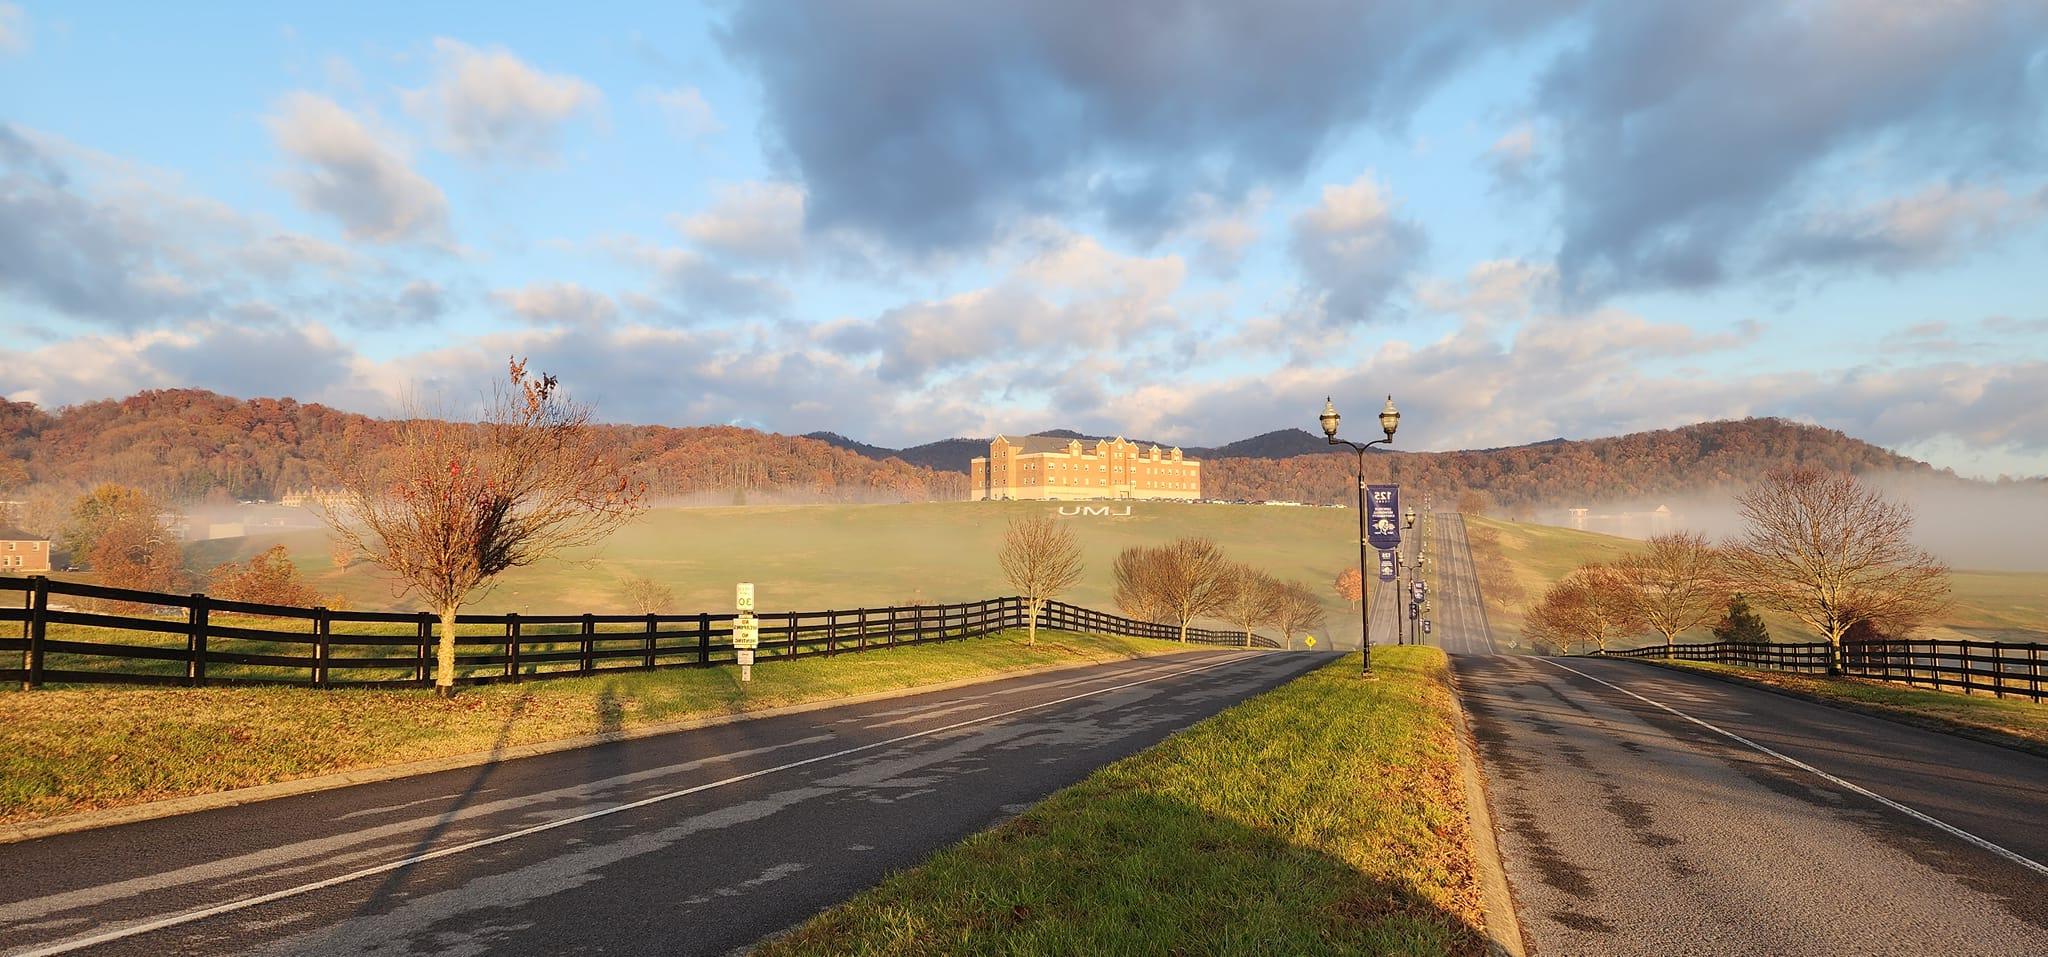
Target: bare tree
column 1040, row 559
column 1192, row 581
column 1831, row 552
column 1299, row 611
column 1135, row 593
column 453, row 505
column 1255, row 599
column 1590, row 605
column 1675, row 585
column 1350, row 586
column 647, row 596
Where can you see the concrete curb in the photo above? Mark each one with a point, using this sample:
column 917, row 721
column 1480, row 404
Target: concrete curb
column 1925, row 723
column 1503, row 924
column 109, row 817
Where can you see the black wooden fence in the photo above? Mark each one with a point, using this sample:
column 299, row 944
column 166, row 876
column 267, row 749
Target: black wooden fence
column 195, row 640
column 1998, row 668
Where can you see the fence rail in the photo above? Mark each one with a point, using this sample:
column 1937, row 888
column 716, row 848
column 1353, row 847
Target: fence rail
column 1999, row 668
column 196, row 640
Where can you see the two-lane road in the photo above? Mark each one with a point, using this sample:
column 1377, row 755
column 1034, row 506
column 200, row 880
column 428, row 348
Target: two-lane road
column 1458, row 614
column 691, row 843
column 1647, row 811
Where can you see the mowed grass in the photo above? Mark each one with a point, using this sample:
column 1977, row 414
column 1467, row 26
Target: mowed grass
column 72, row 750
column 2016, row 717
column 1987, row 605
column 1324, row 817
column 808, row 557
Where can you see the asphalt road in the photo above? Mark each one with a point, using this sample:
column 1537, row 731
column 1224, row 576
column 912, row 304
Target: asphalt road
column 1629, row 829
column 1458, row 622
column 692, row 843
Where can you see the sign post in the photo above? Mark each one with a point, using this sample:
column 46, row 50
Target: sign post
column 746, row 630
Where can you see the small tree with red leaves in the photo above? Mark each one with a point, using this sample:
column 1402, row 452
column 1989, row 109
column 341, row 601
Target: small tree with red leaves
column 449, row 506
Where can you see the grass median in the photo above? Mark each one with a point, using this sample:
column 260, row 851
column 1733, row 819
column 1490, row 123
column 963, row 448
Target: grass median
column 1324, row 817
column 75, row 749
column 2015, row 718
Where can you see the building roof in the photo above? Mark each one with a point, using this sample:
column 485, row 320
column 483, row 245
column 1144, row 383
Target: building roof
column 9, row 533
column 1044, row 443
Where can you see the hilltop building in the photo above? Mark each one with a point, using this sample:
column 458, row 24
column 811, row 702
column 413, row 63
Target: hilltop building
column 1052, row 468
column 21, row 552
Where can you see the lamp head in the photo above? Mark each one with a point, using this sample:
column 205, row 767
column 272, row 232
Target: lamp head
column 1410, row 517
column 1390, row 418
column 1330, row 417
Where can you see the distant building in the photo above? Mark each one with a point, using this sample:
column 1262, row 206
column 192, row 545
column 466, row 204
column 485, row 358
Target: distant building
column 320, row 497
column 22, row 552
column 1052, row 468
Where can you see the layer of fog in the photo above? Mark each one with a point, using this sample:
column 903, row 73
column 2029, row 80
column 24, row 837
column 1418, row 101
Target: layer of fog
column 1972, row 526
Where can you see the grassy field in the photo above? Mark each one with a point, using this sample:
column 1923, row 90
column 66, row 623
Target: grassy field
column 846, row 556
column 1324, row 817
column 2007, row 606
column 2016, row 717
column 73, row 750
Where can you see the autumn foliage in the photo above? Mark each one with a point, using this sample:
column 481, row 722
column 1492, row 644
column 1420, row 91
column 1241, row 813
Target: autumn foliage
column 268, row 578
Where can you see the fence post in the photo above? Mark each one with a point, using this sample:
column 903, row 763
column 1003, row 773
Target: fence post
column 512, row 646
column 588, row 639
column 649, row 662
column 321, row 624
column 831, row 632
column 426, row 626
column 2034, row 670
column 892, row 626
column 38, row 627
column 1998, row 669
column 792, row 634
column 862, row 624
column 703, row 639
column 195, row 642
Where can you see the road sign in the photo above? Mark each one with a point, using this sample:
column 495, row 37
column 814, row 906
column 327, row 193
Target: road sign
column 1389, row 567
column 746, row 656
column 1383, row 515
column 1417, row 590
column 743, row 599
column 1309, row 641
column 746, row 633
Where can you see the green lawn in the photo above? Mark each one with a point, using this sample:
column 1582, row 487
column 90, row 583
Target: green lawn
column 1324, row 817
column 846, row 556
column 67, row 750
column 2017, row 717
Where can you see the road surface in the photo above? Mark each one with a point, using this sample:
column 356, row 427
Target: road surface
column 1458, row 615
column 1629, row 829
column 692, row 843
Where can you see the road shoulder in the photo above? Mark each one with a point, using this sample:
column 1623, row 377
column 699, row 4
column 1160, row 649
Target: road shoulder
column 1503, row 920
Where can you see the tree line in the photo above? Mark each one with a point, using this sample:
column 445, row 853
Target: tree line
column 1818, row 546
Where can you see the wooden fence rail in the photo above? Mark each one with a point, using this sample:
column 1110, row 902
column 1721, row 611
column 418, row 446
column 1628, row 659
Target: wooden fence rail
column 1998, row 668
column 197, row 640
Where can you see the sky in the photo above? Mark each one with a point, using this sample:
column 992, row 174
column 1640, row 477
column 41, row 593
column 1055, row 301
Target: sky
column 1187, row 221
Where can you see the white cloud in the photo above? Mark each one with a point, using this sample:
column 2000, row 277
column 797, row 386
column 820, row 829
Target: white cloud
column 14, row 33
column 355, row 174
column 688, row 112
column 754, row 220
column 490, row 105
column 558, row 303
column 1354, row 251
column 1919, row 229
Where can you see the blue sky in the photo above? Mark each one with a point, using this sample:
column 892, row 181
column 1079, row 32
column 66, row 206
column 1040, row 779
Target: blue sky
column 903, row 221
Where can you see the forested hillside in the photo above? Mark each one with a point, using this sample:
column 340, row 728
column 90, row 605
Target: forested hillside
column 188, row 445
column 192, row 446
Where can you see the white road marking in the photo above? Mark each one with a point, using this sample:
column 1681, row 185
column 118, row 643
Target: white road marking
column 78, row 943
column 1917, row 815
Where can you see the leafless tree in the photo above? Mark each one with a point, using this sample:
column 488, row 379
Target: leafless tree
column 1299, row 611
column 1040, row 559
column 453, row 505
column 1192, row 581
column 1135, row 594
column 1591, row 605
column 647, row 596
column 1255, row 599
column 1676, row 584
column 1832, row 552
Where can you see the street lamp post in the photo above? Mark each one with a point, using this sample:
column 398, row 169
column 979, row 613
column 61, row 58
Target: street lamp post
column 1407, row 524
column 1390, row 419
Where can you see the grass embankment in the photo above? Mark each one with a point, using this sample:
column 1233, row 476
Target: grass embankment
column 1324, row 817
column 2009, row 717
column 73, row 750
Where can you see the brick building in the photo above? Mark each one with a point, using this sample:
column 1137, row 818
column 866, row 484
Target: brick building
column 22, row 553
column 1049, row 467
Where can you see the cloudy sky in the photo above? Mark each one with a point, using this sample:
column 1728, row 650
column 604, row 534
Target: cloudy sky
column 906, row 220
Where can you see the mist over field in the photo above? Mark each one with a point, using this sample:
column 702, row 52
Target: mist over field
column 1989, row 527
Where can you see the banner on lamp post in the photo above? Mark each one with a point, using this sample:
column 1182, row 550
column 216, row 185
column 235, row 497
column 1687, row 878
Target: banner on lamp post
column 1383, row 516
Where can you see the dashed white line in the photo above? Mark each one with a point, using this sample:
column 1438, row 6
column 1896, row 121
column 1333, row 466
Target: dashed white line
column 1913, row 813
column 162, row 923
